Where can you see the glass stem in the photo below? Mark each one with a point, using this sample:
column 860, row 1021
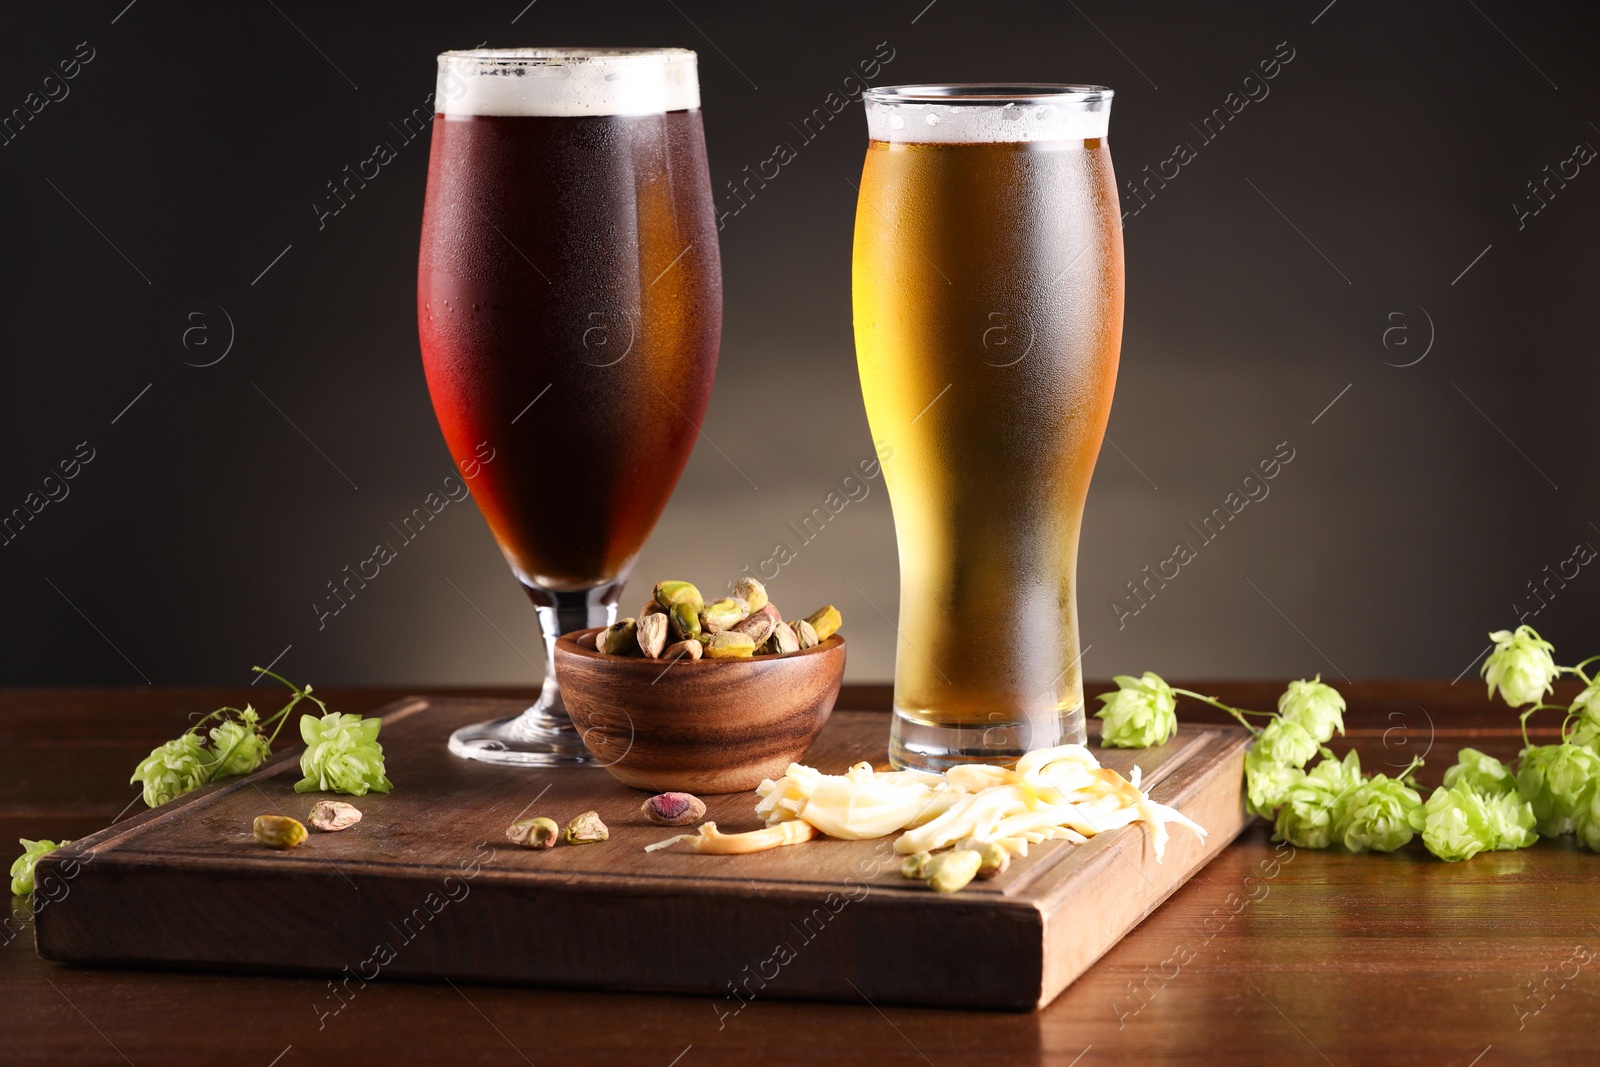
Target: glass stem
column 561, row 613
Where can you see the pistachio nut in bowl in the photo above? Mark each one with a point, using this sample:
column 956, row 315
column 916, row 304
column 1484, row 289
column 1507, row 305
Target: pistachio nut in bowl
column 701, row 697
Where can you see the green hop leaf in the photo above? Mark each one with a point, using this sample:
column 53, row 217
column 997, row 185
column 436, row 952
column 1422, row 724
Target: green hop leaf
column 1314, row 705
column 1267, row 781
column 1554, row 778
column 239, row 748
column 1586, row 819
column 342, row 755
column 1286, row 742
column 1307, row 817
column 1376, row 815
column 1480, row 774
column 1521, row 666
column 22, row 870
column 172, row 770
column 1142, row 712
column 1586, row 731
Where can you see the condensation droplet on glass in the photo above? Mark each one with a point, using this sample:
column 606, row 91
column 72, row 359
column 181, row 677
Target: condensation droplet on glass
column 932, row 119
column 896, row 122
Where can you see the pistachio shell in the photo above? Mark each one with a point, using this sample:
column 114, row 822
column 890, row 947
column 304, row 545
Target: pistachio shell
column 758, row 627
column 683, row 649
column 753, row 593
column 652, row 635
column 805, row 635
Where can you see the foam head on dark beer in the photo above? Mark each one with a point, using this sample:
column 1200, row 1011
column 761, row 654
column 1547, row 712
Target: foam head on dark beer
column 566, row 82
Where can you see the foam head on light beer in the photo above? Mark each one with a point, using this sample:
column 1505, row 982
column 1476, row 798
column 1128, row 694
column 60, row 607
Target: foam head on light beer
column 988, row 286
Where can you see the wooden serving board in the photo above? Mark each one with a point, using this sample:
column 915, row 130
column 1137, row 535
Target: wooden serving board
column 426, row 886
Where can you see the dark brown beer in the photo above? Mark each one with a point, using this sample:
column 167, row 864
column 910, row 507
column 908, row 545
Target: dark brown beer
column 569, row 306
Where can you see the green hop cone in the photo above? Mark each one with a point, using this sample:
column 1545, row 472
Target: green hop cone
column 1586, row 819
column 1315, row 706
column 172, row 770
column 238, row 746
column 1513, row 821
column 1554, row 778
column 22, row 870
column 1586, row 731
column 1307, row 818
column 1142, row 712
column 342, row 755
column 1375, row 816
column 1521, row 666
column 1480, row 774
column 1267, row 782
column 1458, row 822
column 1287, row 743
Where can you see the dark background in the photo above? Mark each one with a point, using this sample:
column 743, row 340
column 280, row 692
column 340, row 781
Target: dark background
column 1261, row 283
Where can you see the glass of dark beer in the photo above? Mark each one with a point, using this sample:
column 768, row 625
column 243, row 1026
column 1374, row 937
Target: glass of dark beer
column 988, row 286
column 569, row 303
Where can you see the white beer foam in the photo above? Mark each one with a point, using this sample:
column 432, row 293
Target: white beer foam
column 904, row 114
column 566, row 82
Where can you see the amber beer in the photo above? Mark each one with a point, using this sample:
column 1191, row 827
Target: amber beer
column 988, row 286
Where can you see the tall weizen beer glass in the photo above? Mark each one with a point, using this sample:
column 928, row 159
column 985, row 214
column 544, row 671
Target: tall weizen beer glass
column 569, row 302
column 988, row 321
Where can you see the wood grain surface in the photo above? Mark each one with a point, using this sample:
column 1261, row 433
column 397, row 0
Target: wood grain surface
column 1268, row 956
column 427, row 886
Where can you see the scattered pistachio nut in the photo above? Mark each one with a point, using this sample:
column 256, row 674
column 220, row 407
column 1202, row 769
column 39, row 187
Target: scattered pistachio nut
column 334, row 815
column 652, row 634
column 783, row 640
column 586, row 829
column 825, row 621
column 620, row 638
column 535, row 833
column 915, row 865
column 674, row 809
column 720, row 615
column 752, row 592
column 757, row 627
column 279, row 831
column 805, row 635
column 949, row 872
column 730, row 644
column 995, row 858
column 683, row 650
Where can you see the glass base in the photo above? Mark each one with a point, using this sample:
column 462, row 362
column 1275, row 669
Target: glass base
column 543, row 735
column 534, row 738
column 916, row 744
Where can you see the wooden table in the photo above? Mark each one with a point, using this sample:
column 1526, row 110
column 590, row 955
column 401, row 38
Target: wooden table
column 1270, row 955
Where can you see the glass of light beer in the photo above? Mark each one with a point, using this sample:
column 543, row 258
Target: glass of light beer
column 988, row 320
column 569, row 304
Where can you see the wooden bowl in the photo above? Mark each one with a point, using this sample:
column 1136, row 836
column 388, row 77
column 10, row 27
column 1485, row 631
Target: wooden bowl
column 701, row 726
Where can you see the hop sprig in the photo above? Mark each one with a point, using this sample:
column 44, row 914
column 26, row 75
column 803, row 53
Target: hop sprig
column 22, row 869
column 239, row 743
